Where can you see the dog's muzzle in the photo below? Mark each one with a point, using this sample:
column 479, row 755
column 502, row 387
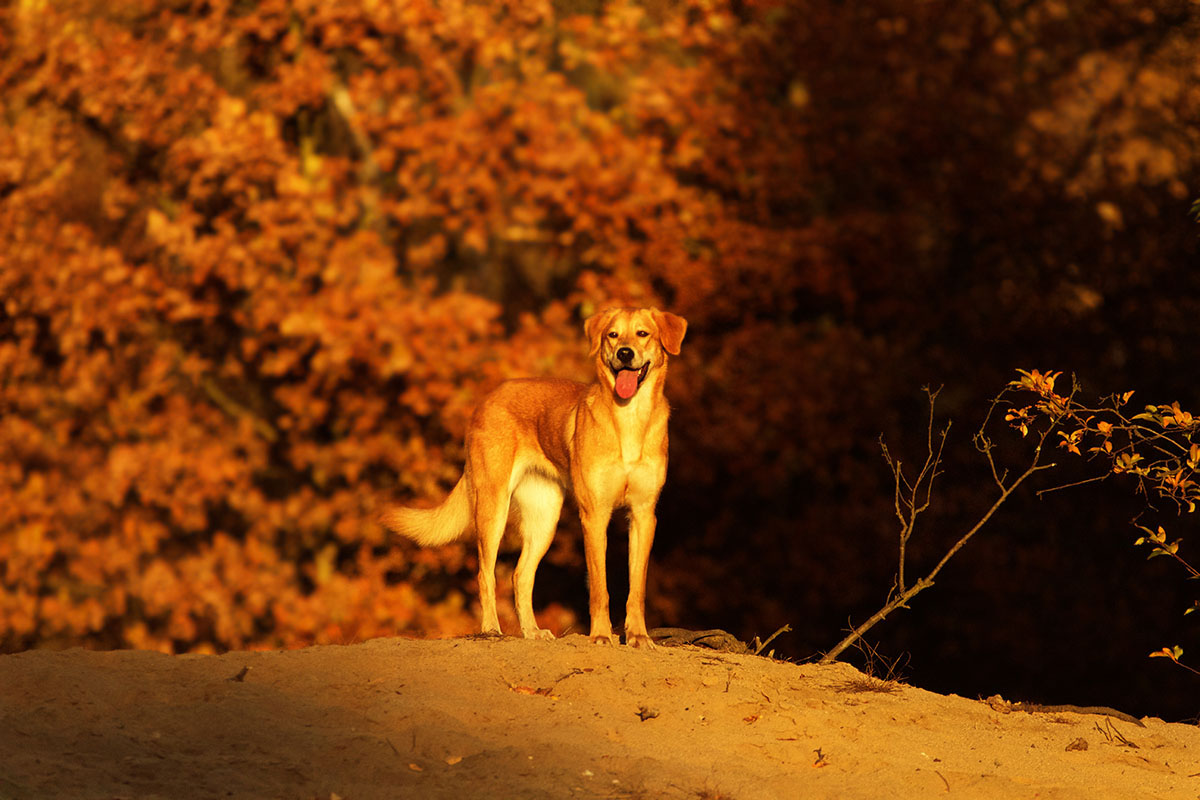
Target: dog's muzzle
column 628, row 378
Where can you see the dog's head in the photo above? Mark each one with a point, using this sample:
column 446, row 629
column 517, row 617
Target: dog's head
column 629, row 344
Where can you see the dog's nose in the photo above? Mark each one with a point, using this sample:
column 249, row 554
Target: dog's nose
column 625, row 355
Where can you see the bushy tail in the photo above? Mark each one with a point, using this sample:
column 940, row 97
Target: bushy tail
column 443, row 524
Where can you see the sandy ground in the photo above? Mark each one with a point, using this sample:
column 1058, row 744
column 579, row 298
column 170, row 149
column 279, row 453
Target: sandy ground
column 508, row 718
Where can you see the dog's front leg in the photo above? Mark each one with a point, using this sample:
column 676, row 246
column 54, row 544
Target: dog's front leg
column 641, row 538
column 595, row 548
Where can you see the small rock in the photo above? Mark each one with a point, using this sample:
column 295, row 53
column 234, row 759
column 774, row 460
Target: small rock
column 647, row 713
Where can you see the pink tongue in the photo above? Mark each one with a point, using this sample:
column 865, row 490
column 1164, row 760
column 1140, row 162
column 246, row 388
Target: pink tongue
column 627, row 383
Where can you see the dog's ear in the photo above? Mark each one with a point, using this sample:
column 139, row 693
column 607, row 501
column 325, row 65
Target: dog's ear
column 594, row 327
column 671, row 329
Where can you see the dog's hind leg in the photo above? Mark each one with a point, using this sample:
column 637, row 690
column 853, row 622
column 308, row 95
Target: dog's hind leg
column 491, row 516
column 538, row 501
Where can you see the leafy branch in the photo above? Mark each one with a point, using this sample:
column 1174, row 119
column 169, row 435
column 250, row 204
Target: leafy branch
column 1158, row 447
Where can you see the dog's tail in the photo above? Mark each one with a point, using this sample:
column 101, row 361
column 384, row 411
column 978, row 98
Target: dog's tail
column 442, row 524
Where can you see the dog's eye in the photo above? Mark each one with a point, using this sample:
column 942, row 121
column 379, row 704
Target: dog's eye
column 643, row 334
column 612, row 334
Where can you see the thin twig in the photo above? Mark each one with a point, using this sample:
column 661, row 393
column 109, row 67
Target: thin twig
column 1083, row 482
column 771, row 638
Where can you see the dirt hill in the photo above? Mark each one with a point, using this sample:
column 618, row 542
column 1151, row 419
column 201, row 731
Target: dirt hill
column 509, row 718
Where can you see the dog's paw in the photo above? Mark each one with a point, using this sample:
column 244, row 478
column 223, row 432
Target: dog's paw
column 640, row 641
column 602, row 638
column 539, row 633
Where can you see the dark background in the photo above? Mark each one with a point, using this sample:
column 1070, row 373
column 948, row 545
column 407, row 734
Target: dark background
column 973, row 263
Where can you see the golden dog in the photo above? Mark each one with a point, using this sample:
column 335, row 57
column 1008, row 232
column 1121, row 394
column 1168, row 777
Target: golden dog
column 532, row 438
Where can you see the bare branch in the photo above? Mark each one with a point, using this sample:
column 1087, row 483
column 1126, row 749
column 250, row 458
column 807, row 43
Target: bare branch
column 900, row 594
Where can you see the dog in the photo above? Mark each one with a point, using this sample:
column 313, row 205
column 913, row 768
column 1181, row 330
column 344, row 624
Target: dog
column 531, row 439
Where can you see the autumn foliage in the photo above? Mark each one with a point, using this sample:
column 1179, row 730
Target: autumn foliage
column 1156, row 452
column 258, row 261
column 248, row 256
